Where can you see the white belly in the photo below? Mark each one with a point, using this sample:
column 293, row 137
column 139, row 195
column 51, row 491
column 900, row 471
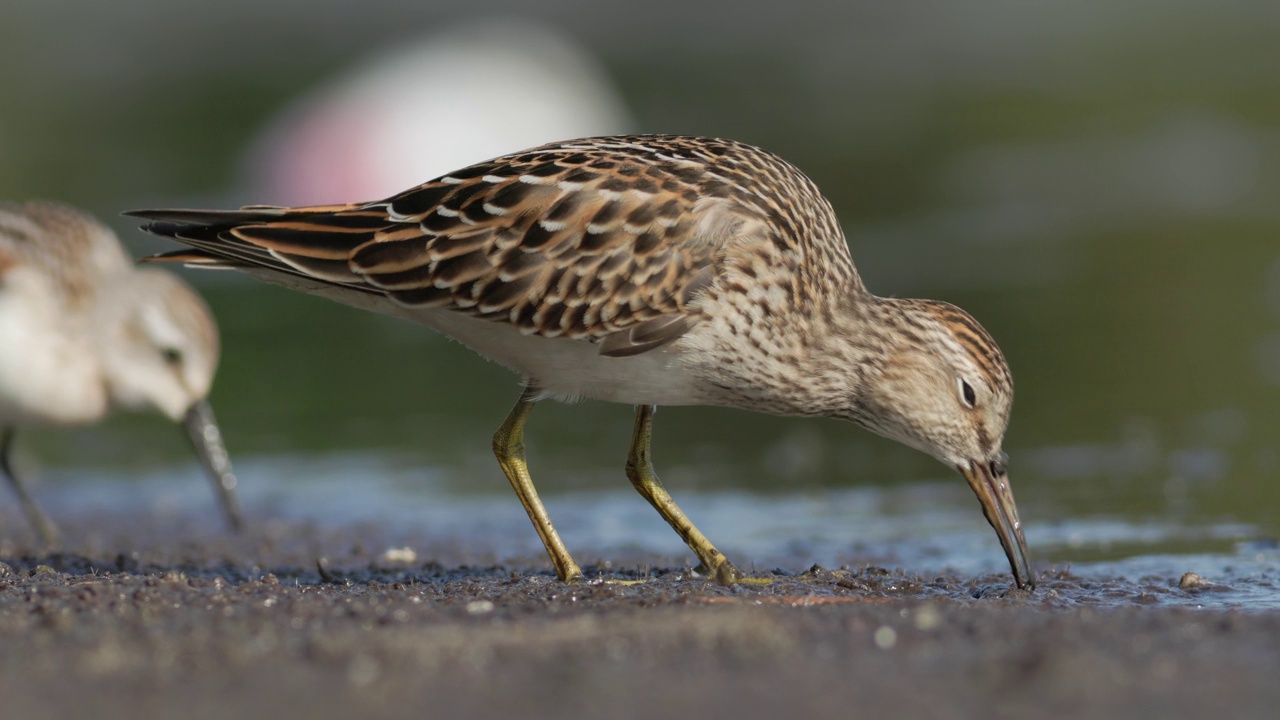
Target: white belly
column 561, row 368
column 573, row 369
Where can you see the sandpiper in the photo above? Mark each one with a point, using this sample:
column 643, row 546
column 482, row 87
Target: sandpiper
column 82, row 330
column 646, row 270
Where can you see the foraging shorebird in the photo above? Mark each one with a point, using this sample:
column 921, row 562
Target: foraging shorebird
column 82, row 331
column 647, row 270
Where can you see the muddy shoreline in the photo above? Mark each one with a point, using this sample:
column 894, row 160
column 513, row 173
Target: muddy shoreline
column 127, row 622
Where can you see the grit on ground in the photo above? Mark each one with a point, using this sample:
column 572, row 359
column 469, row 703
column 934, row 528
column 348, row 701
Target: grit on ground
column 293, row 620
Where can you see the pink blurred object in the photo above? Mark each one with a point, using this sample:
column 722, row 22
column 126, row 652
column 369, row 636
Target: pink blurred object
column 404, row 117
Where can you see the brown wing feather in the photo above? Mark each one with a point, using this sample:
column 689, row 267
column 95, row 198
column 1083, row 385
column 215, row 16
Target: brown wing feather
column 608, row 239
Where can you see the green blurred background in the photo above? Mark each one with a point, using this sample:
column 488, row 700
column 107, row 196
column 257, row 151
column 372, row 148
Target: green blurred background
column 1096, row 181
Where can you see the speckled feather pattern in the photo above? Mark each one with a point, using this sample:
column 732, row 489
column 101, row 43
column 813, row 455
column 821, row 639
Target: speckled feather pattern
column 712, row 249
column 609, row 239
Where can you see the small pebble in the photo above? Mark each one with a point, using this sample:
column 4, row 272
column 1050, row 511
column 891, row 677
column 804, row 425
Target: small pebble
column 1192, row 581
column 479, row 607
column 399, row 555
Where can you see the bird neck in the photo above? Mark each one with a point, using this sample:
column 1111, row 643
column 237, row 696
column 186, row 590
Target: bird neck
column 830, row 354
column 866, row 333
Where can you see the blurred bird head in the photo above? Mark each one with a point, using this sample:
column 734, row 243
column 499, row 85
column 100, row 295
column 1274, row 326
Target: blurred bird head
column 159, row 343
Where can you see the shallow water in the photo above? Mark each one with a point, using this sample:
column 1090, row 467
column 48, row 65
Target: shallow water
column 922, row 529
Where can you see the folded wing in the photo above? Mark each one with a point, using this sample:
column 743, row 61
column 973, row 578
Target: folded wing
column 558, row 242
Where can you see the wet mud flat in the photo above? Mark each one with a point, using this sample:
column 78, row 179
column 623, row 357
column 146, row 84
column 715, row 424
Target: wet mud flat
column 138, row 619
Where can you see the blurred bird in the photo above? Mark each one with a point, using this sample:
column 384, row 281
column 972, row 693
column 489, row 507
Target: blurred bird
column 647, row 270
column 82, row 331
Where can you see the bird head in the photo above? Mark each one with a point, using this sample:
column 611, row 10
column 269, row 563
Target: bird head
column 941, row 385
column 160, row 344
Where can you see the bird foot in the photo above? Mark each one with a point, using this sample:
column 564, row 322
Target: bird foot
column 722, row 571
column 573, row 578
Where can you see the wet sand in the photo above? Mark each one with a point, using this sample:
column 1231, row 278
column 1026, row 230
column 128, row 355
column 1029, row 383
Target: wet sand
column 129, row 621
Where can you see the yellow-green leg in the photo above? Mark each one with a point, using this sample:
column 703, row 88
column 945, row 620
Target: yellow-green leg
column 508, row 446
column 640, row 472
column 44, row 527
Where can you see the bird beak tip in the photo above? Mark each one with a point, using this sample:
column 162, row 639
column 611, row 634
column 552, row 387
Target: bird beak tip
column 996, row 496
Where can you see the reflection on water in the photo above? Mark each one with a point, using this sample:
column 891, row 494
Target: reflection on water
column 921, row 528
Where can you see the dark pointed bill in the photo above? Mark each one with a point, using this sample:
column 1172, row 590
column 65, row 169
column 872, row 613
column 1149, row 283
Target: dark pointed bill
column 998, row 506
column 206, row 438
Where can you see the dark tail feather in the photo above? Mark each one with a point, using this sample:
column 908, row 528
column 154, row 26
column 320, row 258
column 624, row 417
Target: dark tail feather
column 204, row 229
column 203, row 226
column 215, row 245
column 225, row 218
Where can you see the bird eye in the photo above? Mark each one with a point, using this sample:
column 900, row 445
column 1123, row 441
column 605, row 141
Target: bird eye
column 172, row 356
column 967, row 395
